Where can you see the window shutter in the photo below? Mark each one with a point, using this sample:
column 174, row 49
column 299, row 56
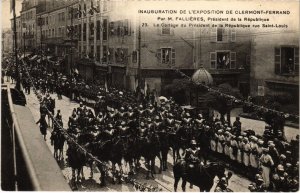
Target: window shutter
column 213, row 34
column 233, row 60
column 213, row 59
column 126, row 28
column 134, row 57
column 98, row 29
column 225, row 34
column 173, row 56
column 158, row 55
column 233, row 35
column 296, row 60
column 277, row 60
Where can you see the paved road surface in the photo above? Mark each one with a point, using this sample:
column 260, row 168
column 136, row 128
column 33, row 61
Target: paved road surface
column 164, row 180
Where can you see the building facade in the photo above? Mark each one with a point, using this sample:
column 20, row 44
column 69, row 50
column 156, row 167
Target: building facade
column 7, row 42
column 110, row 44
column 275, row 64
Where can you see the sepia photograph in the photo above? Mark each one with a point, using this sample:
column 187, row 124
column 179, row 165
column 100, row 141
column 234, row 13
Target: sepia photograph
column 150, row 95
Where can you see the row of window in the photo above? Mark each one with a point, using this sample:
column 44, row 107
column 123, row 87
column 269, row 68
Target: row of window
column 59, row 32
column 110, row 55
column 165, row 56
column 28, row 15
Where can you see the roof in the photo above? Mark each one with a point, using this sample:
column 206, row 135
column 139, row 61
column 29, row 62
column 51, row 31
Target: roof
column 202, row 76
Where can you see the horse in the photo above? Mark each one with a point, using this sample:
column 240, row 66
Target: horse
column 76, row 160
column 101, row 150
column 178, row 139
column 83, row 139
column 201, row 176
column 116, row 155
column 150, row 149
column 164, row 148
column 58, row 140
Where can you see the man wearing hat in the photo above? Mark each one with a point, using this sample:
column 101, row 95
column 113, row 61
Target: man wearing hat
column 233, row 149
column 239, row 157
column 213, row 142
column 192, row 157
column 221, row 139
column 237, row 126
column 273, row 153
column 259, row 185
column 253, row 152
column 266, row 163
column 260, row 144
column 227, row 143
column 279, row 179
column 246, row 152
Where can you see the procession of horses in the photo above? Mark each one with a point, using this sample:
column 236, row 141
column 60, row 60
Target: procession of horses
column 120, row 127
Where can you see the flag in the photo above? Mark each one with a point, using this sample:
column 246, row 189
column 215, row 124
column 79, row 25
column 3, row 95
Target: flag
column 79, row 11
column 91, row 12
column 12, row 5
column 145, row 88
column 105, row 84
column 94, row 8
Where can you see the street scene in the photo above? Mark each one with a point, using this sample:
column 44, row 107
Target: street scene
column 122, row 105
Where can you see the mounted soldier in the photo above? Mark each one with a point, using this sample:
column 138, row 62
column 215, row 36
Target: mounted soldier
column 192, row 158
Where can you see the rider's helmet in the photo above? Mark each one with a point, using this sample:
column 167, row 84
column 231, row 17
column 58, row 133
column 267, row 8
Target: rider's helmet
column 223, row 181
column 193, row 142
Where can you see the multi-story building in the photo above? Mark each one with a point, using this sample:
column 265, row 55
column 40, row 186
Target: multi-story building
column 18, row 31
column 224, row 52
column 275, row 63
column 106, row 42
column 7, row 41
column 28, row 19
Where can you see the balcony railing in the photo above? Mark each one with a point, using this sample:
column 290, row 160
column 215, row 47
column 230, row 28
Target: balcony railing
column 28, row 163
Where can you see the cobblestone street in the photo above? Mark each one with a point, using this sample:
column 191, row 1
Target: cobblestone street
column 164, row 180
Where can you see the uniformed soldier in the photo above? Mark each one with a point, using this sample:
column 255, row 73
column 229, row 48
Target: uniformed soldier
column 239, row 157
column 279, row 179
column 266, row 163
column 233, row 149
column 253, row 152
column 192, row 158
column 221, row 139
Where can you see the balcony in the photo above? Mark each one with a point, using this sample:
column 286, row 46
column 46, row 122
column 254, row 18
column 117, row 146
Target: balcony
column 23, row 167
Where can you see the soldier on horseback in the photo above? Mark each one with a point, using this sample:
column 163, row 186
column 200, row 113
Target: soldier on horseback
column 192, row 155
column 192, row 158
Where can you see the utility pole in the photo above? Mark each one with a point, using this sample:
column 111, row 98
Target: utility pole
column 139, row 62
column 40, row 22
column 72, row 34
column 18, row 86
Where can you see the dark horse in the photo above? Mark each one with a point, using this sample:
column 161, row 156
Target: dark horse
column 164, row 148
column 76, row 159
column 83, row 139
column 58, row 140
column 149, row 149
column 203, row 178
